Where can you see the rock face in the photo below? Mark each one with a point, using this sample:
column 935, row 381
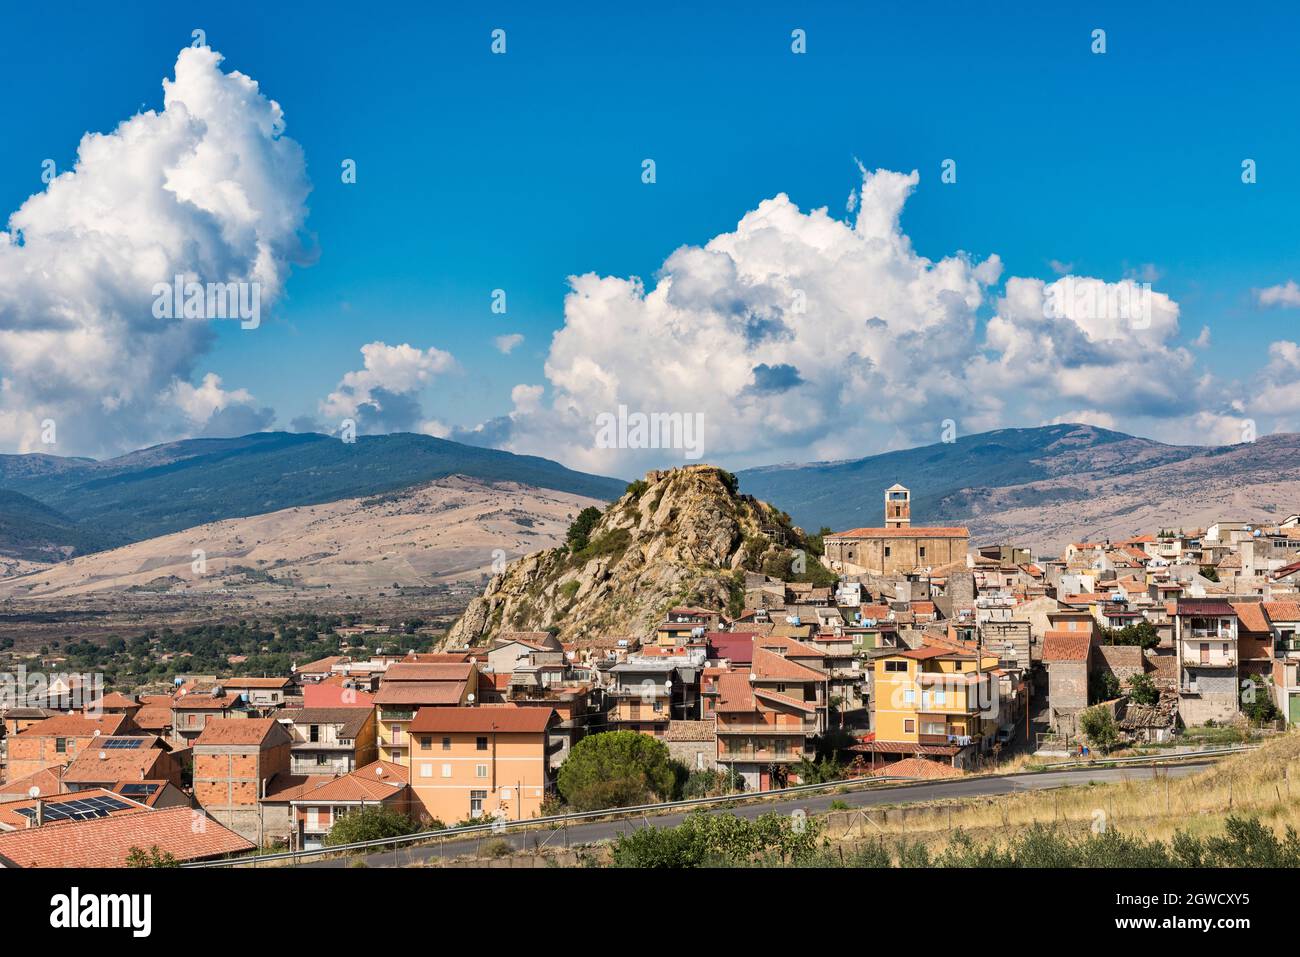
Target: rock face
column 681, row 537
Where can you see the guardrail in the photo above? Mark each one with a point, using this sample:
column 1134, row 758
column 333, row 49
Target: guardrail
column 1151, row 758
column 856, row 784
column 499, row 827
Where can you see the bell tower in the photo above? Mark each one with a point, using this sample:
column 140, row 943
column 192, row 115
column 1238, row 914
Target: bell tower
column 898, row 507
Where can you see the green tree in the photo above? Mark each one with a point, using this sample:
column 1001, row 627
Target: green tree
column 150, row 858
column 1257, row 703
column 1142, row 633
column 1142, row 690
column 371, row 823
column 1098, row 725
column 616, row 769
column 580, row 531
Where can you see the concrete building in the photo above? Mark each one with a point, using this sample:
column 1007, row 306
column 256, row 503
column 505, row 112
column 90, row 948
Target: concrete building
column 1205, row 641
column 234, row 760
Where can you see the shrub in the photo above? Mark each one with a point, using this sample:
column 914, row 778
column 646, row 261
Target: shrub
column 616, row 769
column 369, row 824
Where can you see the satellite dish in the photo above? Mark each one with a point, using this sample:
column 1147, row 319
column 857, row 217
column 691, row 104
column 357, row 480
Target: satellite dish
column 34, row 792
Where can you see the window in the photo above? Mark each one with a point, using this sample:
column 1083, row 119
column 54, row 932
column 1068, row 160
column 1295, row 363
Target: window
column 886, row 551
column 934, row 727
column 476, row 799
column 313, row 733
column 922, row 551
column 446, row 744
column 426, row 742
column 321, row 759
column 426, row 769
column 61, row 745
column 909, row 696
column 909, row 725
column 958, row 666
column 780, row 689
column 481, row 744
column 446, row 770
column 940, row 699
column 895, row 665
column 480, row 770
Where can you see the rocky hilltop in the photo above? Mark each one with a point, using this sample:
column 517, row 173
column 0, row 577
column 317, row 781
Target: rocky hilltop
column 680, row 537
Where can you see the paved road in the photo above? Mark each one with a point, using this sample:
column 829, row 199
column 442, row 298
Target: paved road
column 812, row 804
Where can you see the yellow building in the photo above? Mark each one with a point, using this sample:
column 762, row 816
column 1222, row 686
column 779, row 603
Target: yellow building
column 933, row 702
column 487, row 761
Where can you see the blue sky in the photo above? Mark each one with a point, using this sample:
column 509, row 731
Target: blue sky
column 478, row 171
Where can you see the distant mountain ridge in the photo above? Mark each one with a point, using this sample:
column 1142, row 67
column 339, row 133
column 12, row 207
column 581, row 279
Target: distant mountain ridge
column 171, row 487
column 1044, row 487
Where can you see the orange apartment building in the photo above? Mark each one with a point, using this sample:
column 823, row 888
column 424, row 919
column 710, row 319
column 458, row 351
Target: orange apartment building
column 767, row 718
column 491, row 761
column 408, row 687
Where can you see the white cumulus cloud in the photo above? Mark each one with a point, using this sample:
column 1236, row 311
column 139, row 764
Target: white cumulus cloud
column 207, row 188
column 383, row 395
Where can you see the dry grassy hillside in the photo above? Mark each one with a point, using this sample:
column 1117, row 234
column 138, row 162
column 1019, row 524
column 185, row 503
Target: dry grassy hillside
column 444, row 531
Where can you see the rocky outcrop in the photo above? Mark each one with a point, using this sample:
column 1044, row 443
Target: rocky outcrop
column 680, row 537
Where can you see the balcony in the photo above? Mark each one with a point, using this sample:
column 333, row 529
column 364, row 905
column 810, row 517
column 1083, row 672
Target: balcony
column 764, row 755
column 799, row 728
column 1210, row 661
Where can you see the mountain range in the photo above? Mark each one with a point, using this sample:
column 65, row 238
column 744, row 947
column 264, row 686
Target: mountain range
column 1042, row 487
column 71, row 506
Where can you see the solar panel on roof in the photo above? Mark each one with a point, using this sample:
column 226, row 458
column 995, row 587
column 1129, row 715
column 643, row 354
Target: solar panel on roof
column 121, row 743
column 138, row 790
column 84, row 809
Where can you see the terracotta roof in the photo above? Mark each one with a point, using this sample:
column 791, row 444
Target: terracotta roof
column 153, row 718
column 735, row 694
column 75, row 726
column 789, row 702
column 691, row 731
column 905, row 747
column 504, row 719
column 199, row 701
column 918, row 768
column 283, row 787
column 420, row 692
column 256, row 682
column 1251, row 615
column 106, row 841
column 768, row 664
column 1282, row 610
column 239, row 732
column 116, row 764
column 410, row 671
column 955, row 531
column 373, row 782
column 47, row 780
column 320, row 666
column 1066, row 647
column 112, row 700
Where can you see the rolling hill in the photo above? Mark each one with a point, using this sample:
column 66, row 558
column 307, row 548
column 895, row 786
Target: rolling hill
column 441, row 531
column 168, row 488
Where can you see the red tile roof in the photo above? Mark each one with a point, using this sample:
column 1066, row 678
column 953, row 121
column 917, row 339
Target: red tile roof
column 420, row 692
column 239, row 732
column 501, row 719
column 76, row 726
column 1251, row 615
column 1059, row 646
column 955, row 531
column 1281, row 611
column 374, row 782
column 918, row 768
column 107, row 841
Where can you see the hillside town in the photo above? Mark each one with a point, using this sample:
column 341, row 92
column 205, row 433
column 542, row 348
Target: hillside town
column 899, row 650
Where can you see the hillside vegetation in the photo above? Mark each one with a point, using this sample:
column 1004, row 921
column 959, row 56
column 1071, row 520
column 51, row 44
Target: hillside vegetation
column 680, row 537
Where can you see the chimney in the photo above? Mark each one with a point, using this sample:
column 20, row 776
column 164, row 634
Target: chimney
column 40, row 813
